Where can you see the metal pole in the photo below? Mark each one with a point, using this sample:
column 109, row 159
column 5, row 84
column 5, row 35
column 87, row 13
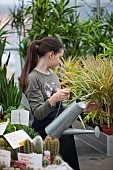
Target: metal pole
column 98, row 7
column 76, row 8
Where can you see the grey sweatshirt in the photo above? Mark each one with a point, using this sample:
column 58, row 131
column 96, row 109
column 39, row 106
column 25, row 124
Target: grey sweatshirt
column 40, row 88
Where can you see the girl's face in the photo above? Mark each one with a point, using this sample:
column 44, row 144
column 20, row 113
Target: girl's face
column 56, row 59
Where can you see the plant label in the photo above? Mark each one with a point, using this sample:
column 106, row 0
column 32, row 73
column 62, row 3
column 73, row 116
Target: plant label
column 5, row 157
column 20, row 117
column 32, row 160
column 3, row 127
column 16, row 139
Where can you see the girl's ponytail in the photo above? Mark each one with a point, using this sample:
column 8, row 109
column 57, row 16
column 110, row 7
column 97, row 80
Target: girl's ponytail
column 30, row 64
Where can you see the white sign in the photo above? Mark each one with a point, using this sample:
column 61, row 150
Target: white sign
column 16, row 139
column 3, row 126
column 5, row 157
column 20, row 117
column 32, row 160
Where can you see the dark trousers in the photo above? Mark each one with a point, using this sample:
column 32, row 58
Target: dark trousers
column 68, row 151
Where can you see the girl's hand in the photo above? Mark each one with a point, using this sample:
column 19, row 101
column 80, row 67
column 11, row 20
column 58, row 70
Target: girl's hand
column 60, row 95
column 90, row 107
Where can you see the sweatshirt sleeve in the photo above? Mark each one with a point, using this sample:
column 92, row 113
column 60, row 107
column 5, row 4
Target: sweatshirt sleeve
column 40, row 108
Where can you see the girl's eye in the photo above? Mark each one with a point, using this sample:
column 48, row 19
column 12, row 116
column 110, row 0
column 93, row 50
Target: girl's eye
column 61, row 58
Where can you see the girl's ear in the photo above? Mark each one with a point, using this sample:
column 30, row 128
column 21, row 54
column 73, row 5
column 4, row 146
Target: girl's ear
column 51, row 53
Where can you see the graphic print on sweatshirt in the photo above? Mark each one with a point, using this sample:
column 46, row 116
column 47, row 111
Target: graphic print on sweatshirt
column 50, row 89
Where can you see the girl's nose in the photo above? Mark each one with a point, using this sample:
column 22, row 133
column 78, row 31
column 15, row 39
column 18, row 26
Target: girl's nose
column 61, row 63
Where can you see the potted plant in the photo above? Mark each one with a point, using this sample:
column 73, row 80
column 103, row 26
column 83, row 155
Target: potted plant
column 94, row 79
column 91, row 79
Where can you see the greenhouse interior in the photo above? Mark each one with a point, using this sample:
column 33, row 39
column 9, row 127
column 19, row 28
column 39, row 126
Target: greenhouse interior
column 56, row 85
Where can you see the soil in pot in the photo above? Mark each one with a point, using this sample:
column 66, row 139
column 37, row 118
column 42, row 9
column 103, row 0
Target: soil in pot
column 106, row 130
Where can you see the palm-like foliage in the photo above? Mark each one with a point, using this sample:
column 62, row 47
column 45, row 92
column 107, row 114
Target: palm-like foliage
column 95, row 32
column 51, row 18
column 108, row 50
column 108, row 18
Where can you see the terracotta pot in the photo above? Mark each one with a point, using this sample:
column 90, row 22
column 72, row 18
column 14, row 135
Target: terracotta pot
column 106, row 130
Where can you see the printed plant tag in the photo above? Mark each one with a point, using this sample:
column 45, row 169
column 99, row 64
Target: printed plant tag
column 16, row 139
column 5, row 157
column 32, row 160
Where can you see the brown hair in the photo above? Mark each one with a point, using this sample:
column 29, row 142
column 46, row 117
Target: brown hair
column 38, row 48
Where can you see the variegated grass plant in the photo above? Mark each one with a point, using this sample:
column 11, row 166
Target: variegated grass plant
column 92, row 79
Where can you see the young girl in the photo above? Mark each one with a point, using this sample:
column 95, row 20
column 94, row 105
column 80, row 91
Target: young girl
column 43, row 91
